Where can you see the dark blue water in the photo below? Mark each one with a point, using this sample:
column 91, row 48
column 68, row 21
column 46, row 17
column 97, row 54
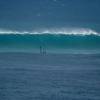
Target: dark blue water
column 28, row 76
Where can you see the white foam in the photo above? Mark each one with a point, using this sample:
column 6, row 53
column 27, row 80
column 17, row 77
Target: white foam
column 65, row 31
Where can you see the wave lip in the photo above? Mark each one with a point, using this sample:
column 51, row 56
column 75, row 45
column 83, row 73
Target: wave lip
column 63, row 31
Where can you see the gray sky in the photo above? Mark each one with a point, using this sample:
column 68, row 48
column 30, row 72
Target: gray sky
column 36, row 14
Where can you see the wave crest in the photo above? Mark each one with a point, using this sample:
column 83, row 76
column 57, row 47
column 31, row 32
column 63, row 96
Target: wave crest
column 64, row 31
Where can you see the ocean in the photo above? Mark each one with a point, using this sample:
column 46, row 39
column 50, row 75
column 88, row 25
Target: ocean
column 49, row 67
column 52, row 43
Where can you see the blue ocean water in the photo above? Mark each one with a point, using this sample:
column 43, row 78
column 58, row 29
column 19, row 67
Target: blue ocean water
column 69, row 70
column 53, row 43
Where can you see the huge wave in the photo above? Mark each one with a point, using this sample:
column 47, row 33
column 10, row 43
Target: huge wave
column 53, row 41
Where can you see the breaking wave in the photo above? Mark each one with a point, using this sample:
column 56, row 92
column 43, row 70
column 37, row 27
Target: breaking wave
column 53, row 41
column 65, row 31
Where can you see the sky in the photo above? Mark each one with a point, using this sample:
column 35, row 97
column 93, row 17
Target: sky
column 36, row 14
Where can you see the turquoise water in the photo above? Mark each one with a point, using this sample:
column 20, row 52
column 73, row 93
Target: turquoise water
column 53, row 43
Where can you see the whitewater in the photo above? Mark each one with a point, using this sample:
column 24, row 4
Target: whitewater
column 65, row 31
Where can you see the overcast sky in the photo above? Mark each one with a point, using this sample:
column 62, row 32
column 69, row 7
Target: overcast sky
column 31, row 14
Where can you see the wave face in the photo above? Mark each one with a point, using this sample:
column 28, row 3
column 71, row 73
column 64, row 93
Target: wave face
column 52, row 43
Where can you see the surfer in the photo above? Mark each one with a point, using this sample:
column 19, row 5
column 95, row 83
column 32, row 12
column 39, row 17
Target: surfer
column 42, row 50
